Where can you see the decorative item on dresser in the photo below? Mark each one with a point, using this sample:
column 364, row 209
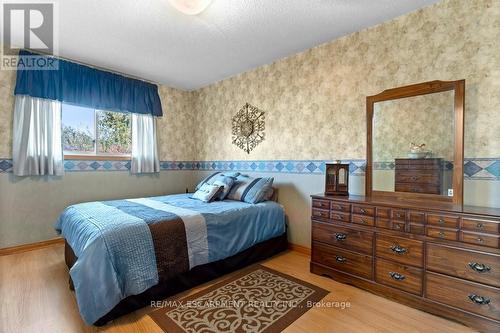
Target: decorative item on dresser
column 337, row 179
column 418, row 175
column 425, row 250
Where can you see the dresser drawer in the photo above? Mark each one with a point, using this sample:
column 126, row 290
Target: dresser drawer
column 417, row 188
column 403, row 250
column 446, row 221
column 321, row 213
column 384, row 212
column 347, row 238
column 399, row 276
column 322, row 204
column 342, row 260
column 479, row 225
column 431, row 178
column 383, row 223
column 363, row 220
column 479, row 239
column 340, row 207
column 338, row 216
column 363, row 210
column 398, row 226
column 469, row 296
column 416, row 217
column 418, row 229
column 463, row 263
column 399, row 215
column 449, row 234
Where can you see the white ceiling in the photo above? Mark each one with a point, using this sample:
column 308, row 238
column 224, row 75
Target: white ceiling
column 151, row 40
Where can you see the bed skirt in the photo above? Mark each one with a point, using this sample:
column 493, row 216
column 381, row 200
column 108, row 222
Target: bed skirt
column 190, row 279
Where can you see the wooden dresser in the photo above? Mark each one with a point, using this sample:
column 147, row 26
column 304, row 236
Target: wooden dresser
column 437, row 257
column 420, row 175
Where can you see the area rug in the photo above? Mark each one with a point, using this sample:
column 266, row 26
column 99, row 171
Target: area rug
column 256, row 299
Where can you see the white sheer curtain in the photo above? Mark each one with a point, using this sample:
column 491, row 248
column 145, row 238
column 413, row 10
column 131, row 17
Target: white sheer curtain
column 144, row 147
column 36, row 146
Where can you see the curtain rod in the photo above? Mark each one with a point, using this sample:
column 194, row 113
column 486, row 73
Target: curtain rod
column 94, row 66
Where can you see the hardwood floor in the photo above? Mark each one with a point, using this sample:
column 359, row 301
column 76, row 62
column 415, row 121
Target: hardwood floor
column 34, row 297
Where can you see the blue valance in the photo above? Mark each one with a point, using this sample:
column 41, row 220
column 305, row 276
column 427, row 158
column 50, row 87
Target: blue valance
column 86, row 86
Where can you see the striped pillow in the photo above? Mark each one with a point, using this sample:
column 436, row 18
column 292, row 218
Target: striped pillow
column 251, row 190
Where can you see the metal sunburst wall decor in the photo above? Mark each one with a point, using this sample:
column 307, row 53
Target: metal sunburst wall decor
column 248, row 127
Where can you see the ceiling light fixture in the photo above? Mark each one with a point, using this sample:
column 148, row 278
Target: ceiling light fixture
column 190, row 7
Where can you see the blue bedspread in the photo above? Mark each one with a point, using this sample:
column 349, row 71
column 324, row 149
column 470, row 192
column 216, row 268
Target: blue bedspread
column 114, row 246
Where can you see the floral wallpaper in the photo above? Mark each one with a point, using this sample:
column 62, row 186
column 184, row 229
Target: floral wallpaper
column 315, row 100
column 175, row 129
column 7, row 82
column 425, row 119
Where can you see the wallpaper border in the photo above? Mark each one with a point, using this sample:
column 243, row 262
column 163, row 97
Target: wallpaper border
column 474, row 168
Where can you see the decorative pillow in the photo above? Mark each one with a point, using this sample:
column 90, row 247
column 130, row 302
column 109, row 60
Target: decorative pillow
column 222, row 179
column 232, row 174
column 207, row 192
column 251, row 190
column 206, row 180
column 226, row 183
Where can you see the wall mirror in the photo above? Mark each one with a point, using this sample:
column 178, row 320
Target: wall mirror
column 415, row 142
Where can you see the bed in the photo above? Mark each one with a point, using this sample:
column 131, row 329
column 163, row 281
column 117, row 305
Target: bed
column 123, row 254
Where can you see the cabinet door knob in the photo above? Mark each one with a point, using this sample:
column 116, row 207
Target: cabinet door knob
column 396, row 276
column 340, row 259
column 480, row 268
column 340, row 236
column 399, row 249
column 479, row 299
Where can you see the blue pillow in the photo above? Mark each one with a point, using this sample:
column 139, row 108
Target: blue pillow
column 207, row 192
column 226, row 182
column 251, row 190
column 206, row 180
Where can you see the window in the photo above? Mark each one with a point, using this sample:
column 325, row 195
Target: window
column 87, row 131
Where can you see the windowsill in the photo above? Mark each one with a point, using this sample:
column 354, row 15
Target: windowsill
column 98, row 157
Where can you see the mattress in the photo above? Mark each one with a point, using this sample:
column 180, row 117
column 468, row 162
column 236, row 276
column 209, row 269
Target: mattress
column 126, row 246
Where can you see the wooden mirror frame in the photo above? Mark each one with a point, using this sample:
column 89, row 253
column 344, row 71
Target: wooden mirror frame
column 419, row 89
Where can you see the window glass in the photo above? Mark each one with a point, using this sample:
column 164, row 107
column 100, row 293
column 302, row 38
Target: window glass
column 113, row 133
column 95, row 132
column 78, row 129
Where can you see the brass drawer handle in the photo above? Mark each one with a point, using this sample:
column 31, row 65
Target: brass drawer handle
column 396, row 276
column 338, row 217
column 337, row 207
column 399, row 249
column 480, row 240
column 398, row 215
column 397, row 226
column 363, row 221
column 479, row 299
column 441, row 221
column 414, row 178
column 480, row 225
column 441, row 234
column 362, row 211
column 340, row 236
column 340, row 259
column 480, row 268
